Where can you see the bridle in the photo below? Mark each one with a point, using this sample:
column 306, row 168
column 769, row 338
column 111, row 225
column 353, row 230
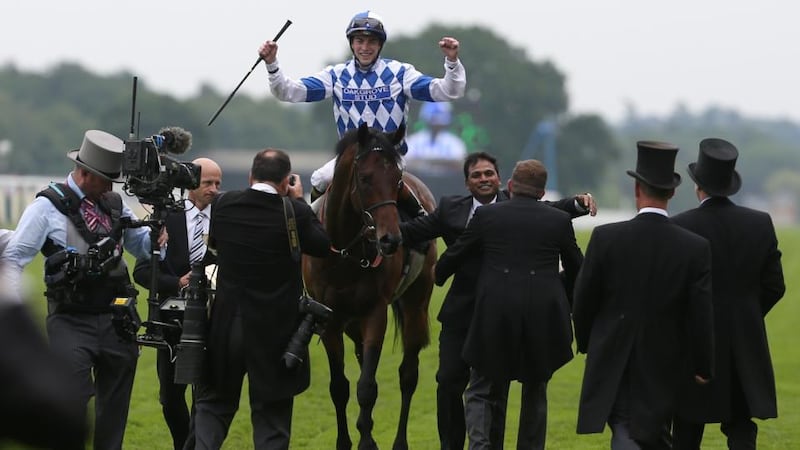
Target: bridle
column 367, row 234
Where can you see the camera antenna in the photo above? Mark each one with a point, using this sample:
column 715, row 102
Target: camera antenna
column 275, row 39
column 131, row 134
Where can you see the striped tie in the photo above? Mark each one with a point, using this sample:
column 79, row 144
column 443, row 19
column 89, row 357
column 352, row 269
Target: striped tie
column 198, row 245
column 93, row 217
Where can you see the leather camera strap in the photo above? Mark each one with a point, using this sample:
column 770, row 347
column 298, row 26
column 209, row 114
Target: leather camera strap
column 291, row 227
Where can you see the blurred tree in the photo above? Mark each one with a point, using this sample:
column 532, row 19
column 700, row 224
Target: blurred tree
column 43, row 116
column 764, row 145
column 586, row 147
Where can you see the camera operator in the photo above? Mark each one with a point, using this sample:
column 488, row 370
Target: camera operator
column 186, row 230
column 255, row 312
column 76, row 215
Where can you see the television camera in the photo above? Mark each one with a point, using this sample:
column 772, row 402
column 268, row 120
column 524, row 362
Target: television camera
column 151, row 174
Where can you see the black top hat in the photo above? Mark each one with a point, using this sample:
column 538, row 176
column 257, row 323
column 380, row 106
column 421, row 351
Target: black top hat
column 101, row 154
column 714, row 170
column 655, row 164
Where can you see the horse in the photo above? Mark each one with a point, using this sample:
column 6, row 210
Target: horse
column 364, row 274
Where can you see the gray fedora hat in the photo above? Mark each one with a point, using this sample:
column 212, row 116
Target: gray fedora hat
column 101, row 154
column 714, row 172
column 655, row 164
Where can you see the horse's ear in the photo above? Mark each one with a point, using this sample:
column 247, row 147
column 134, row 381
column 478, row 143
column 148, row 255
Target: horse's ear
column 363, row 134
column 399, row 134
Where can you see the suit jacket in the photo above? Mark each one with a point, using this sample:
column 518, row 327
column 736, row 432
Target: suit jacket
column 643, row 306
column 748, row 281
column 448, row 221
column 521, row 331
column 257, row 278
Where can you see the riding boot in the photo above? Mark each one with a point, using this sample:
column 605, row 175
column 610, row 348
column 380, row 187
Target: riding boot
column 408, row 202
column 315, row 193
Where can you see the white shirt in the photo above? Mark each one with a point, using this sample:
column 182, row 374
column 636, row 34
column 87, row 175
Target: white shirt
column 264, row 187
column 650, row 209
column 191, row 214
column 444, row 145
column 475, row 205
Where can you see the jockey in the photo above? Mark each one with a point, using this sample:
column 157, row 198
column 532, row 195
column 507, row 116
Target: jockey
column 368, row 89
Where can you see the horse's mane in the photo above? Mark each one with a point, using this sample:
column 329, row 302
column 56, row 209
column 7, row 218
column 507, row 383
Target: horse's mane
column 350, row 139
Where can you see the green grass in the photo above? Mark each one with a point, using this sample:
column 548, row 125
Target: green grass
column 314, row 424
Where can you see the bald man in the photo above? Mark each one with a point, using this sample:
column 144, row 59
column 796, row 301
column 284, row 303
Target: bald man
column 183, row 249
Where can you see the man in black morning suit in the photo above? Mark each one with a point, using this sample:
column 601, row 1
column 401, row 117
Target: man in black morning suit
column 642, row 312
column 256, row 309
column 173, row 275
column 748, row 282
column 448, row 221
column 522, row 331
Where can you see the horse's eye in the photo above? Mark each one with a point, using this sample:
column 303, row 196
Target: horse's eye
column 365, row 179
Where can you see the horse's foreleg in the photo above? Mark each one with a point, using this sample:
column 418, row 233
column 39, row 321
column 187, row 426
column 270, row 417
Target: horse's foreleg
column 373, row 332
column 353, row 331
column 339, row 387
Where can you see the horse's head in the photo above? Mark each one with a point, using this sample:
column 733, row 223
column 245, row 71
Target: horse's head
column 371, row 162
column 378, row 174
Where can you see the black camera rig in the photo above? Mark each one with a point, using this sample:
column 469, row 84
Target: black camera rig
column 315, row 315
column 150, row 173
column 68, row 267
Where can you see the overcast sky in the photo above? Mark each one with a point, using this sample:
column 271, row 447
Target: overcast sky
column 732, row 53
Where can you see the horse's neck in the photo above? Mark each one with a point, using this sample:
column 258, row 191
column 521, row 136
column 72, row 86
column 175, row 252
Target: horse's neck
column 341, row 220
column 342, row 226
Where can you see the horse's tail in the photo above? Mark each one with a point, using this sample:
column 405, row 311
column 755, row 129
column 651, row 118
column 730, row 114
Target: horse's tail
column 420, row 332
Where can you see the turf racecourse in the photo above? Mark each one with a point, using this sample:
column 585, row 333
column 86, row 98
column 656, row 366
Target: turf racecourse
column 314, row 424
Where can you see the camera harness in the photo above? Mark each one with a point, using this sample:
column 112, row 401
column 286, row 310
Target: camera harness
column 68, row 203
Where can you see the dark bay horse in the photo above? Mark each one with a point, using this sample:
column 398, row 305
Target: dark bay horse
column 364, row 274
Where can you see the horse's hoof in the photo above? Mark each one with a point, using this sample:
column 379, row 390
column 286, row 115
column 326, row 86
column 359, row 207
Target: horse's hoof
column 343, row 444
column 367, row 445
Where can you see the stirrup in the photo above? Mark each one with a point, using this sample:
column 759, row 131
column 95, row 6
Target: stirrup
column 315, row 194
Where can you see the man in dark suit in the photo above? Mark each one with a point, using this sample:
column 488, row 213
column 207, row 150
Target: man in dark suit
column 173, row 275
column 523, row 331
column 642, row 312
column 448, row 221
column 748, row 282
column 256, row 310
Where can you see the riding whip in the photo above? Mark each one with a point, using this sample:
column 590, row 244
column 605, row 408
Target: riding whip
column 277, row 36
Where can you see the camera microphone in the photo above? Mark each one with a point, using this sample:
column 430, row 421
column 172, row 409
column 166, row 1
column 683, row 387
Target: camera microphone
column 176, row 139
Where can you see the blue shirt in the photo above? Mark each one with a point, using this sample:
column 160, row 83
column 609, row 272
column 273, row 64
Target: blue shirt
column 42, row 220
